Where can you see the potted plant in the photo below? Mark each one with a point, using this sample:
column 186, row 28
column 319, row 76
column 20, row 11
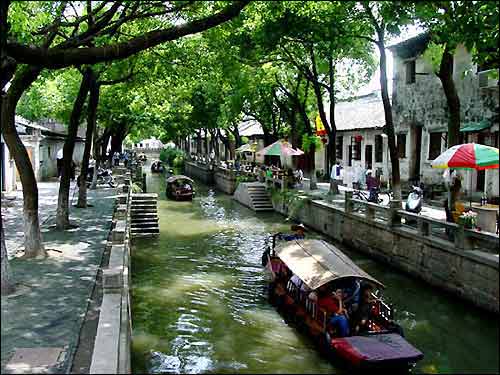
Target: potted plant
column 468, row 219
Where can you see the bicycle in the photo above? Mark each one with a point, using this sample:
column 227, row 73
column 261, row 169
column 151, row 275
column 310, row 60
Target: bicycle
column 376, row 196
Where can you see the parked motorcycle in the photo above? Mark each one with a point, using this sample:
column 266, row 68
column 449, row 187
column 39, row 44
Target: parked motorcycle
column 104, row 176
column 415, row 200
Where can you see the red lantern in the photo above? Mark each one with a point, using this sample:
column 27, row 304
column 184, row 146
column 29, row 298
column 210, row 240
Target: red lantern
column 358, row 138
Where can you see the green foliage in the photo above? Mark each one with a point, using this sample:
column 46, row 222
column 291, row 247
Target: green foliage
column 172, row 156
column 245, row 178
column 244, row 140
column 136, row 188
column 433, row 55
column 311, row 140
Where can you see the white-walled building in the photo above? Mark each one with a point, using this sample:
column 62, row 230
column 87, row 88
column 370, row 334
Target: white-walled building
column 360, row 141
column 43, row 142
column 149, row 144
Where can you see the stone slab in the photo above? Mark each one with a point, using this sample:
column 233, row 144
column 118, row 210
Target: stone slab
column 34, row 360
column 105, row 355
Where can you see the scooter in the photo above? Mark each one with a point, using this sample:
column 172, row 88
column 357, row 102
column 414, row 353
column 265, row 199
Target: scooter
column 415, row 200
column 104, row 176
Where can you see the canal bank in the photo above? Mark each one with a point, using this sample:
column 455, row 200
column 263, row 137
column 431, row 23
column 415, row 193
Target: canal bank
column 198, row 300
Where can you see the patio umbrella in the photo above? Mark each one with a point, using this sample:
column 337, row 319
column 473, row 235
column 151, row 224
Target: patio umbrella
column 246, row 148
column 468, row 156
column 280, row 148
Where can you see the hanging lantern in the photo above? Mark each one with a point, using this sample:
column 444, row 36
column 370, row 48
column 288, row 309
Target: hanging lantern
column 358, row 138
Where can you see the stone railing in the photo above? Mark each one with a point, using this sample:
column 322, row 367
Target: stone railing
column 111, row 353
column 454, row 235
column 446, row 255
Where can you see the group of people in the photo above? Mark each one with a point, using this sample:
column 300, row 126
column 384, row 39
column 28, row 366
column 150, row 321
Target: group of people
column 121, row 156
column 347, row 303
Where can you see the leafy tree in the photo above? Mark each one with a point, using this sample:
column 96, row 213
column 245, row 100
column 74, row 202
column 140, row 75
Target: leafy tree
column 375, row 21
column 86, row 37
column 450, row 23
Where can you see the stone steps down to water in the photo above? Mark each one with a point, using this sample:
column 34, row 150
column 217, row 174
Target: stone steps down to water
column 144, row 215
column 253, row 195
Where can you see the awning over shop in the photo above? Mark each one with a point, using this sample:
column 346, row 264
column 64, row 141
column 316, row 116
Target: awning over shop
column 475, row 126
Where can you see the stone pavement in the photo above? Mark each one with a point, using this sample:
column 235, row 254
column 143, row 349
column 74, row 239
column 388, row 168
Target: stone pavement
column 324, row 187
column 48, row 310
column 12, row 211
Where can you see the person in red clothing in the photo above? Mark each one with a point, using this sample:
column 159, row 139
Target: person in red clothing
column 337, row 315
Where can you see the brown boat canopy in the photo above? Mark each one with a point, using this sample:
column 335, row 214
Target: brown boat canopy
column 317, row 262
column 178, row 177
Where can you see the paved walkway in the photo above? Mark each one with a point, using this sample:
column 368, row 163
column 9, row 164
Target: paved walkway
column 54, row 292
column 323, row 188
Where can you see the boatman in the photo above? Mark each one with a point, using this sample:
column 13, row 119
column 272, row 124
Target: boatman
column 298, row 233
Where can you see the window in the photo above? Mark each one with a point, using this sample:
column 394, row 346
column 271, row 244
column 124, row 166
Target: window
column 434, row 145
column 340, row 146
column 410, row 72
column 355, row 149
column 402, row 146
column 378, row 148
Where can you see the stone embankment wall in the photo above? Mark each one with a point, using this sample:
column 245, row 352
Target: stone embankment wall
column 202, row 172
column 470, row 274
column 111, row 353
column 224, row 179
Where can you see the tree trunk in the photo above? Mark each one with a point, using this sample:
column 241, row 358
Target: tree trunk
column 389, row 124
column 198, row 142
column 6, row 273
column 91, row 123
column 445, row 74
column 62, row 218
column 332, row 131
column 33, row 245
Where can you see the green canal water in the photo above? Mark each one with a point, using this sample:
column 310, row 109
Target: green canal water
column 198, row 302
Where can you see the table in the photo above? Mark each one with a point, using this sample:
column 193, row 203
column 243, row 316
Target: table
column 486, row 216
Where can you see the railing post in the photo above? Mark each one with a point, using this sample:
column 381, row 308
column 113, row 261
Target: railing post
column 394, row 219
column 423, row 227
column 348, row 202
column 461, row 240
column 370, row 212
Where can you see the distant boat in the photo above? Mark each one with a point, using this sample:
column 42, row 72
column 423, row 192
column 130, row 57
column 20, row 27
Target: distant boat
column 180, row 187
column 157, row 167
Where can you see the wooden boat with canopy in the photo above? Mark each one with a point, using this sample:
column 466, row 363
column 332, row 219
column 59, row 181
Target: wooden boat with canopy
column 305, row 273
column 180, row 187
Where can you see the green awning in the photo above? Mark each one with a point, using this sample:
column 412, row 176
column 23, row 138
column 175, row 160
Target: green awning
column 475, row 126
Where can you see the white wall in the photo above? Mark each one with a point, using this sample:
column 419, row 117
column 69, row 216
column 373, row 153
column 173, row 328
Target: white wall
column 10, row 168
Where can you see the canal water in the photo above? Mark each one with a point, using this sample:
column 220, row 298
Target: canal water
column 198, row 302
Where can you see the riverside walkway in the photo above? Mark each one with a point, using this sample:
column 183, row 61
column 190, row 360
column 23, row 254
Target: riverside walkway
column 47, row 311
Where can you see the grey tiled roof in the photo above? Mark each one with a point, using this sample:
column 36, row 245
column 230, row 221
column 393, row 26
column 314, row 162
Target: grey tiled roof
column 365, row 112
column 249, row 127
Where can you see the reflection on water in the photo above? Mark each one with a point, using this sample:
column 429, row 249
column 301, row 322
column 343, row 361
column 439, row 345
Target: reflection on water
column 199, row 306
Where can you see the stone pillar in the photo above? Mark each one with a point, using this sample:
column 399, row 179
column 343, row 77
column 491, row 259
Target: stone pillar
column 461, row 240
column 348, row 202
column 394, row 219
column 424, row 227
column 370, row 212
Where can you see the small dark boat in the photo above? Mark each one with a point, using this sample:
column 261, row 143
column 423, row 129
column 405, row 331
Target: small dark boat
column 157, row 167
column 305, row 273
column 180, row 187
